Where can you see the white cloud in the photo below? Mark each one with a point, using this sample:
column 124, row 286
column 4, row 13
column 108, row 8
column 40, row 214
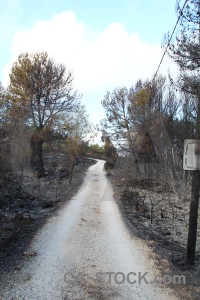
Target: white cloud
column 100, row 61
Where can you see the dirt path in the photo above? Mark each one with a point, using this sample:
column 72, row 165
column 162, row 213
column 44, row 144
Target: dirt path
column 77, row 248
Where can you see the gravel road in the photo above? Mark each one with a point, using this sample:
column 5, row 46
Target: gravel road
column 86, row 252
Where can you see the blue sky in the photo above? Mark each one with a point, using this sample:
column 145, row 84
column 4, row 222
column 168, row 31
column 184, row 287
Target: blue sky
column 106, row 44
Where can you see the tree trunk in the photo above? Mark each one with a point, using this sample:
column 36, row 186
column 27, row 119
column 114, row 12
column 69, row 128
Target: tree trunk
column 37, row 156
column 72, row 165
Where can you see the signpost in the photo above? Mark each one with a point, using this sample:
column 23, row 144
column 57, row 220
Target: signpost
column 191, row 155
column 191, row 162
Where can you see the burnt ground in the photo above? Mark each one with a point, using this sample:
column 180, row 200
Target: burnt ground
column 167, row 247
column 24, row 210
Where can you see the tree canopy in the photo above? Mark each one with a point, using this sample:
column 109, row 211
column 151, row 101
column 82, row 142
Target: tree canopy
column 42, row 89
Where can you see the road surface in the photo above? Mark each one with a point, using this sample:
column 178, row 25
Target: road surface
column 86, row 252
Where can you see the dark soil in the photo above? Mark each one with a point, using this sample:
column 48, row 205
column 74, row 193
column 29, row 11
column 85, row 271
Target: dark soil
column 23, row 213
column 166, row 250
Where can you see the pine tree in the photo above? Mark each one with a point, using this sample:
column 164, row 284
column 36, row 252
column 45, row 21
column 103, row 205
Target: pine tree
column 40, row 92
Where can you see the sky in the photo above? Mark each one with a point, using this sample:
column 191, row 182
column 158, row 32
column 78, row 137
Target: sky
column 105, row 43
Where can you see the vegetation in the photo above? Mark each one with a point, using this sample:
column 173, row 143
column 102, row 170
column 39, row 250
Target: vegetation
column 145, row 125
column 149, row 122
column 41, row 113
column 185, row 52
column 42, row 94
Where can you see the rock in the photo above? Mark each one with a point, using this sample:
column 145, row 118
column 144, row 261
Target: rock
column 28, row 254
column 166, row 232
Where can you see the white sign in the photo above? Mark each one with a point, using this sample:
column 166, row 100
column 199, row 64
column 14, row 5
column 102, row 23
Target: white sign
column 191, row 155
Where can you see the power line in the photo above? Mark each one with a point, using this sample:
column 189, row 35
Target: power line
column 180, row 15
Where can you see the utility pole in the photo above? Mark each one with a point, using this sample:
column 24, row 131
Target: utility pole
column 194, row 204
